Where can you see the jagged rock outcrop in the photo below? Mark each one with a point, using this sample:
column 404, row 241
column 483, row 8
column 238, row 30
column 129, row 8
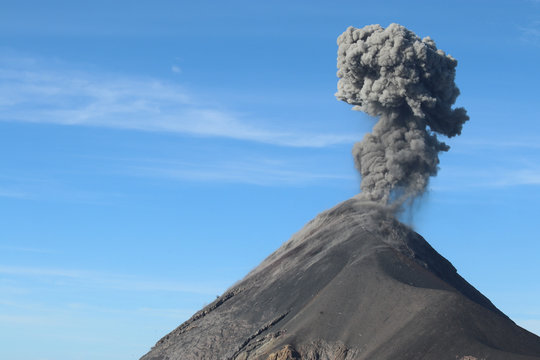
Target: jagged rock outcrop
column 287, row 353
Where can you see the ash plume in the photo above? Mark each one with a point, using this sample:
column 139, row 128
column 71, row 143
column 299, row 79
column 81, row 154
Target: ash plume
column 409, row 85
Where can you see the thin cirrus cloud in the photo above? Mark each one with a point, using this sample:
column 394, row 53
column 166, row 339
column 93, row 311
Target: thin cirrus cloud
column 263, row 172
column 33, row 92
column 7, row 193
column 120, row 282
column 472, row 145
column 24, row 249
column 459, row 179
column 531, row 33
column 519, row 177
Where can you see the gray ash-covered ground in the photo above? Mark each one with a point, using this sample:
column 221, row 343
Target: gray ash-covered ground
column 354, row 283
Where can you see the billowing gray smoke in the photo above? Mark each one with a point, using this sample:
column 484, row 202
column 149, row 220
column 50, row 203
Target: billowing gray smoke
column 409, row 85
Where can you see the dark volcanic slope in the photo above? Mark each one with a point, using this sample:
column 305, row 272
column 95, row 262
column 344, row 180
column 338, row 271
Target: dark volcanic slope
column 352, row 284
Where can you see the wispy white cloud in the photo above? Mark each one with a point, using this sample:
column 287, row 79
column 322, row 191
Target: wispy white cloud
column 518, row 177
column 110, row 280
column 32, row 271
column 13, row 194
column 531, row 33
column 30, row 186
column 166, row 312
column 20, row 319
column 27, row 249
column 495, row 143
column 264, row 172
column 462, row 178
column 31, row 91
column 36, row 311
column 11, row 289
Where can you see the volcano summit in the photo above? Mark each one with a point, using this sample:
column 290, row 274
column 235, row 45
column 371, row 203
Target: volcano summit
column 352, row 284
column 355, row 283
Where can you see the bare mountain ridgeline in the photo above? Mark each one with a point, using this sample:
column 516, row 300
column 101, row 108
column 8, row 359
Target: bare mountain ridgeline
column 352, row 284
column 355, row 283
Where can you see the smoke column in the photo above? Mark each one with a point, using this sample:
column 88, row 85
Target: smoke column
column 409, row 85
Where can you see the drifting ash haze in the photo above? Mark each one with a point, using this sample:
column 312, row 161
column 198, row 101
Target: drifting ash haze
column 355, row 283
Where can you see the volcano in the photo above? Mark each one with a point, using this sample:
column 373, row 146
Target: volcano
column 354, row 283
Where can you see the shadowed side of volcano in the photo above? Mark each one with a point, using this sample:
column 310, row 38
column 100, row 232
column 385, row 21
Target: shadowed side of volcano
column 352, row 284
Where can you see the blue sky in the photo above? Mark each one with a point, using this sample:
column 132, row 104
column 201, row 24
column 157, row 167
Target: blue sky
column 152, row 153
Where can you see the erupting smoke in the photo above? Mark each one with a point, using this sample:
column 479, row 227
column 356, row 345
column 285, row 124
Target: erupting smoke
column 409, row 85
